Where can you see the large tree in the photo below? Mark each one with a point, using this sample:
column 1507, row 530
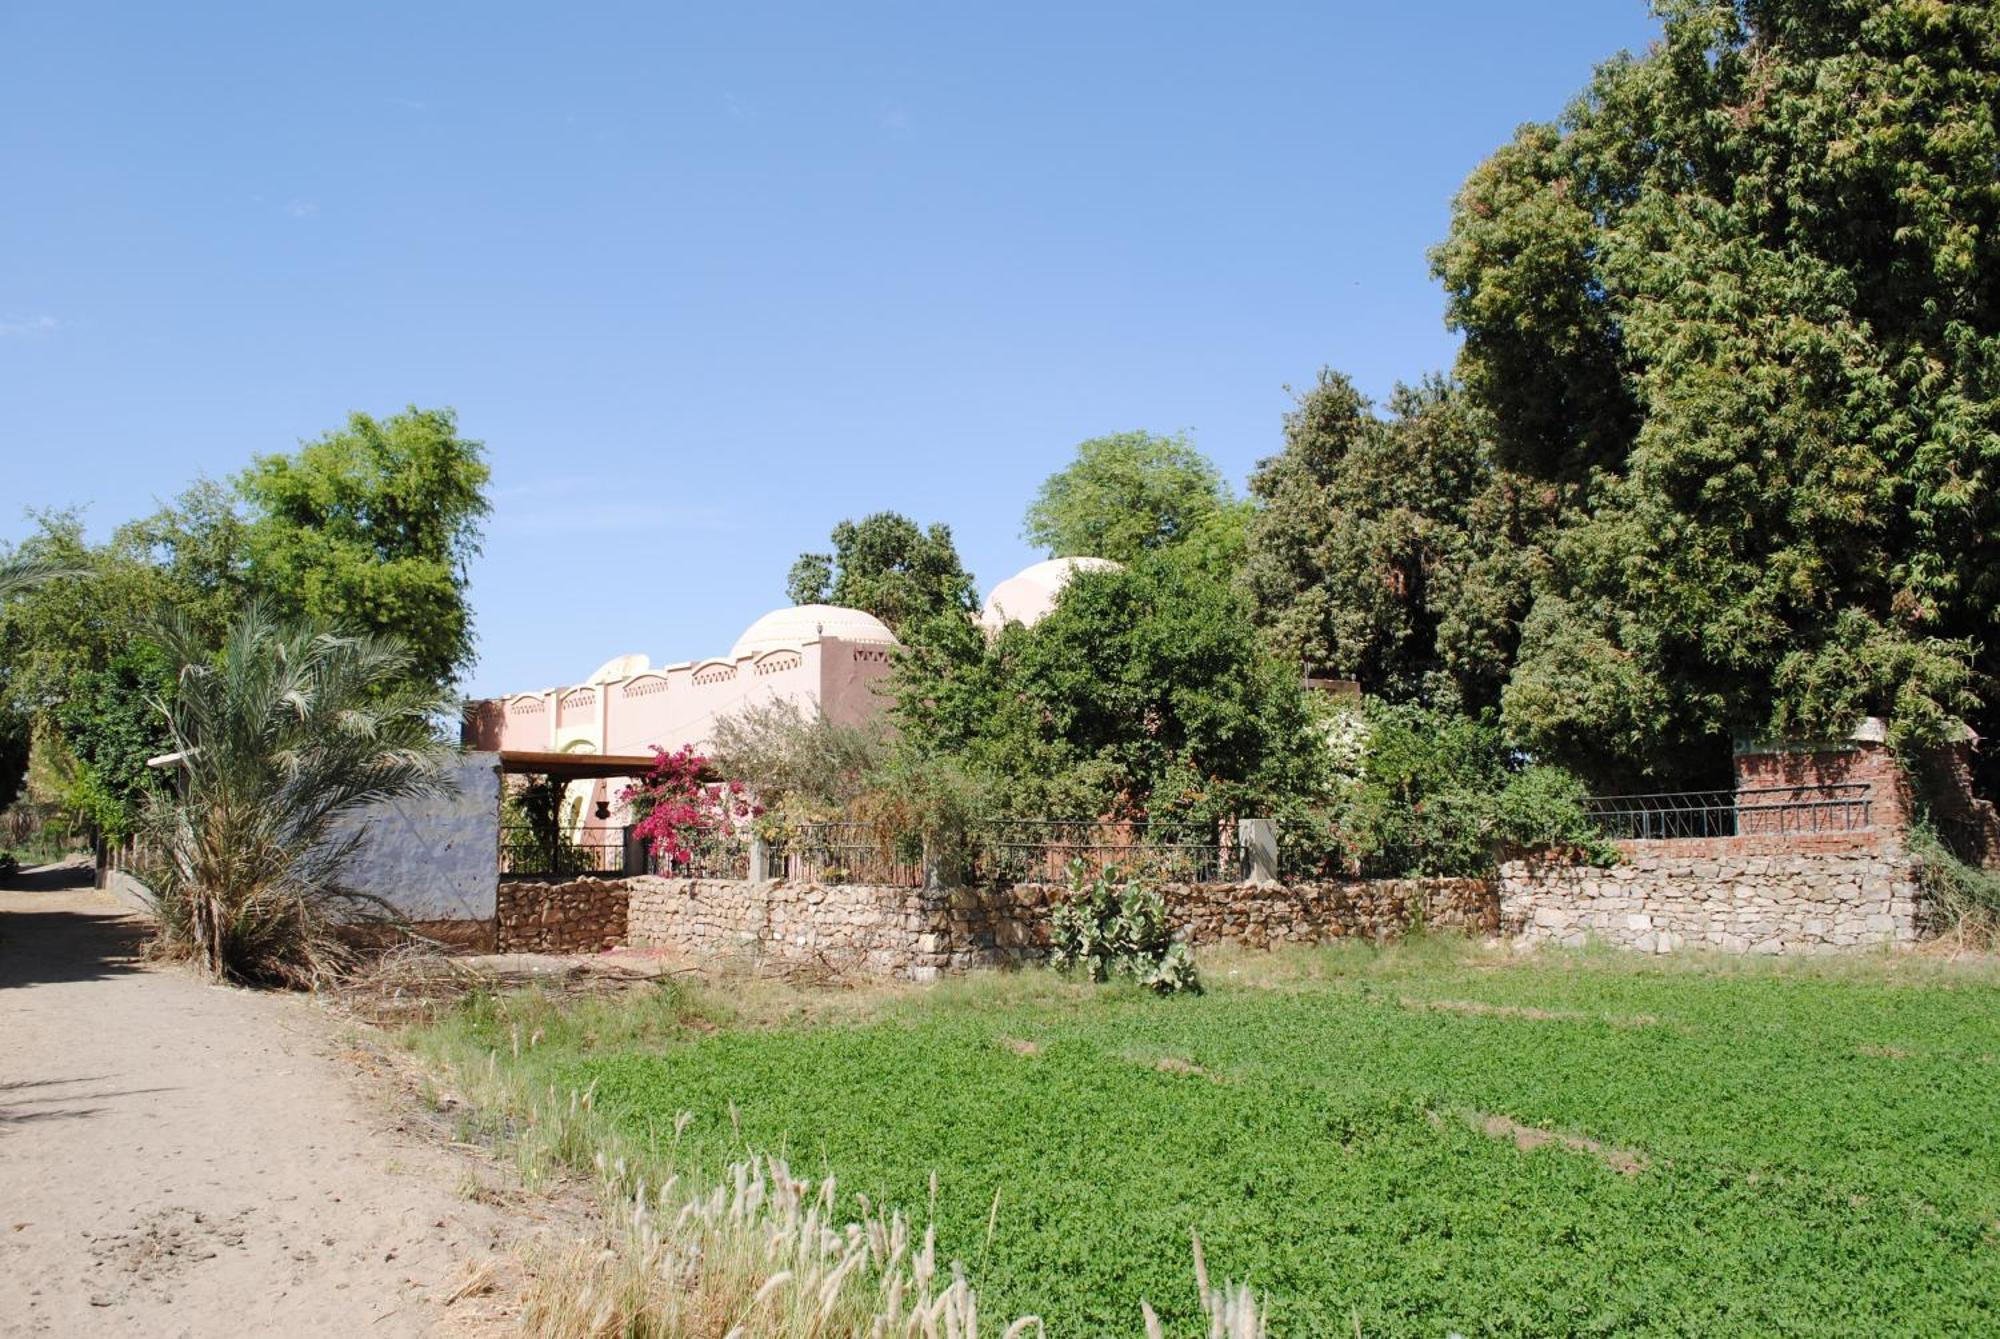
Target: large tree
column 367, row 529
column 1145, row 692
column 1741, row 307
column 72, row 648
column 889, row 566
column 371, row 529
column 1364, row 546
column 1124, row 496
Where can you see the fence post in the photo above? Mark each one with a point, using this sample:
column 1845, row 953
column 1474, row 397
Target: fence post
column 1257, row 848
column 635, row 853
column 760, row 860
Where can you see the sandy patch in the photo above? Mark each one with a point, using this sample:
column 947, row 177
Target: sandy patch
column 1527, row 1138
column 178, row 1158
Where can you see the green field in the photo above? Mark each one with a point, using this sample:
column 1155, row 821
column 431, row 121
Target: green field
column 1735, row 1148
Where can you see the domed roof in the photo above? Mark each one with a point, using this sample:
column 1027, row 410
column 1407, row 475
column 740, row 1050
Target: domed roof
column 620, row 667
column 807, row 622
column 1028, row 595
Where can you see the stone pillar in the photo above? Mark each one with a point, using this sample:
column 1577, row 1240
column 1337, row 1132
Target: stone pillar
column 1257, row 841
column 760, row 861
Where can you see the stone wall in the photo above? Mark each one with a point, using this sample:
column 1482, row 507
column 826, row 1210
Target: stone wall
column 918, row 933
column 1751, row 894
column 569, row 916
column 1259, row 915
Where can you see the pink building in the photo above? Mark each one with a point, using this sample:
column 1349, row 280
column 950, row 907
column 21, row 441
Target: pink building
column 817, row 655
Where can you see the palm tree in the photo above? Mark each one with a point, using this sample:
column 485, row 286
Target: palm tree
column 18, row 574
column 280, row 739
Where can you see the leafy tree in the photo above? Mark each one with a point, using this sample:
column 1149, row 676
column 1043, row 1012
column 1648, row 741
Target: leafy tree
column 1145, row 692
column 111, row 723
column 371, row 529
column 1366, row 539
column 887, row 565
column 1124, row 496
column 803, row 763
column 1736, row 314
column 1440, row 792
column 71, row 647
column 284, row 735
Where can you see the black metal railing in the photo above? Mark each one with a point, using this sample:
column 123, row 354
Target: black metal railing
column 1046, row 851
column 845, row 853
column 555, row 853
column 709, row 855
column 1757, row 811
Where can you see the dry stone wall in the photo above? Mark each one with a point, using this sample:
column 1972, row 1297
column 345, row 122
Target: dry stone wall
column 1769, row 895
column 918, row 933
column 1751, row 894
column 569, row 916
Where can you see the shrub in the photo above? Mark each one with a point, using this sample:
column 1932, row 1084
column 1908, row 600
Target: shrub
column 1440, row 792
column 1107, row 928
column 281, row 738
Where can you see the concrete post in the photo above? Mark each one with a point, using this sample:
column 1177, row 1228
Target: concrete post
column 1257, row 845
column 760, row 860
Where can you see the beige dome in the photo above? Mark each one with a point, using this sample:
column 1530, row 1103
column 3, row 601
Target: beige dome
column 1028, row 595
column 620, row 667
column 807, row 622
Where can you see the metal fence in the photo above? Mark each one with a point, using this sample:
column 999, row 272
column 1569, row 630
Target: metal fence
column 1756, row 811
column 711, row 855
column 524, row 851
column 1044, row 851
column 845, row 853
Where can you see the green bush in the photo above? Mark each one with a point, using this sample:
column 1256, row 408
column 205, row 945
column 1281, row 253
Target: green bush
column 1441, row 792
column 1107, row 928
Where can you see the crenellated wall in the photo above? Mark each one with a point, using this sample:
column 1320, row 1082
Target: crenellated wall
column 679, row 704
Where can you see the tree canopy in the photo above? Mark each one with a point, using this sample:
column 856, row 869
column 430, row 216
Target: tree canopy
column 1145, row 692
column 1124, row 496
column 889, row 566
column 371, row 529
column 367, row 528
column 1740, row 308
column 1720, row 452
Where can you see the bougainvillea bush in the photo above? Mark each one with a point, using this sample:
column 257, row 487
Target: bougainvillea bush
column 678, row 811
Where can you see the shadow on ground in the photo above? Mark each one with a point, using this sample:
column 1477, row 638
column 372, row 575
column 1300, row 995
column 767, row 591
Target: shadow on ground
column 58, row 931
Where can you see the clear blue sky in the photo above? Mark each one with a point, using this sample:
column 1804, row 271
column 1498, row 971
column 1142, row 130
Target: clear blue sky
column 706, row 279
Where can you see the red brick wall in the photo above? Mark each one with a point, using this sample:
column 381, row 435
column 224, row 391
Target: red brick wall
column 1811, row 775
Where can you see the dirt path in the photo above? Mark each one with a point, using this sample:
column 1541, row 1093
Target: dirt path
column 182, row 1159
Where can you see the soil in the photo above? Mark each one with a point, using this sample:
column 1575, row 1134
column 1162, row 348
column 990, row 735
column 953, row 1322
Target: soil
column 179, row 1158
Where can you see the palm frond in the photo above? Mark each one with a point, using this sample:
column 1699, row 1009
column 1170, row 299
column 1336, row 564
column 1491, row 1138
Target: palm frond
column 285, row 733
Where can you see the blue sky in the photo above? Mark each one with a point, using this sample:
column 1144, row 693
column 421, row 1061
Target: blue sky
column 707, row 279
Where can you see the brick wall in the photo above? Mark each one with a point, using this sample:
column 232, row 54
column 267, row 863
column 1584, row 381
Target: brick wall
column 559, row 916
column 1746, row 894
column 1810, row 772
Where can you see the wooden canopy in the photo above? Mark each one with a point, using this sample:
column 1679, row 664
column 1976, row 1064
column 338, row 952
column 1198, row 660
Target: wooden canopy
column 579, row 766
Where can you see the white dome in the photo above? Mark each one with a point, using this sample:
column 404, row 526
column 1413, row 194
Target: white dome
column 806, row 622
column 620, row 667
column 1028, row 595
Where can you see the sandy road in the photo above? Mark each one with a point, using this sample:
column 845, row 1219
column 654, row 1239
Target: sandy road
column 182, row 1159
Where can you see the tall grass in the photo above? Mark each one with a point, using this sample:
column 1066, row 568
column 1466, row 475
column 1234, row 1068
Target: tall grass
column 1963, row 900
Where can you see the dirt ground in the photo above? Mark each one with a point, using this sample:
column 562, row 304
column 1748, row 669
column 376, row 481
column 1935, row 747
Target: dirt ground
column 178, row 1158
